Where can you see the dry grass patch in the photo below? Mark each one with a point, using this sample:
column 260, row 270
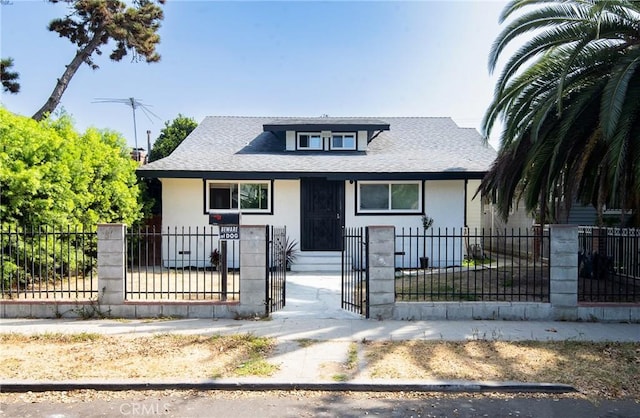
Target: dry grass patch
column 86, row 395
column 306, row 342
column 601, row 369
column 91, row 356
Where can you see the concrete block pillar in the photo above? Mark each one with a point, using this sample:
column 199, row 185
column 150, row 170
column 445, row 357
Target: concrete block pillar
column 253, row 270
column 111, row 263
column 563, row 261
column 381, row 262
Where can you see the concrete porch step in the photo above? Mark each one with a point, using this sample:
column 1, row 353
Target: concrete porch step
column 318, row 261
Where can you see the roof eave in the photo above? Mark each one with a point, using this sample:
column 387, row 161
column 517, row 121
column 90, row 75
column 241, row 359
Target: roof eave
column 334, row 127
column 292, row 175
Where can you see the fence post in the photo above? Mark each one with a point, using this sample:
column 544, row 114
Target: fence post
column 111, row 263
column 381, row 265
column 253, row 270
column 224, row 269
column 563, row 266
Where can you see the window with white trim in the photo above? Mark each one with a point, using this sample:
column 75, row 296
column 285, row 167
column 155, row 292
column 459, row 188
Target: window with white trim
column 248, row 196
column 399, row 197
column 309, row 141
column 316, row 140
column 343, row 141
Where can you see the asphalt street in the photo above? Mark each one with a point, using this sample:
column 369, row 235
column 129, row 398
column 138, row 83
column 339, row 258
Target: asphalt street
column 278, row 405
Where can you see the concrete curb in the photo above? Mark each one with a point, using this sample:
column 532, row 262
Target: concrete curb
column 461, row 387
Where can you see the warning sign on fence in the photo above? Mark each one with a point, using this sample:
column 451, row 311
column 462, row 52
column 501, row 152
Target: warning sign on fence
column 229, row 232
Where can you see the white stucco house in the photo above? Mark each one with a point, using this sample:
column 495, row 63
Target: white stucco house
column 316, row 175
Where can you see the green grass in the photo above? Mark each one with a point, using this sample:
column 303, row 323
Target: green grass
column 352, row 357
column 473, row 262
column 257, row 350
column 256, row 366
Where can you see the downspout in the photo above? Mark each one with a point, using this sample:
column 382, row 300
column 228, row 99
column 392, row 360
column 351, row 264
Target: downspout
column 466, row 187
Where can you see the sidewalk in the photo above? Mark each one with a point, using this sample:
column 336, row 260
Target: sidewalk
column 338, row 330
column 312, row 313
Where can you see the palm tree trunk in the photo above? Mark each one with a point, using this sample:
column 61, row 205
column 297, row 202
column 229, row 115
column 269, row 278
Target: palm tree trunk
column 69, row 72
column 543, row 208
column 601, row 199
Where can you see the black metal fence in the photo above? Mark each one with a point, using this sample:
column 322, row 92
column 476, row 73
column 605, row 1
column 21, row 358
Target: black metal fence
column 279, row 251
column 472, row 265
column 609, row 264
column 48, row 263
column 181, row 264
column 355, row 273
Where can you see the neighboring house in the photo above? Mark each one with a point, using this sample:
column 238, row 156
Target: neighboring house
column 579, row 214
column 317, row 175
column 519, row 217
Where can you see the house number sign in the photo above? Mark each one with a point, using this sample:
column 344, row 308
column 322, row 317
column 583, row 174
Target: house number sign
column 229, row 232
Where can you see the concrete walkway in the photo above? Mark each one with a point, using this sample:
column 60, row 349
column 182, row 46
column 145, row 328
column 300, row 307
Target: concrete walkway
column 313, row 312
column 314, row 296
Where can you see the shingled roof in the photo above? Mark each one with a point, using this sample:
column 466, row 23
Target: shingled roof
column 413, row 147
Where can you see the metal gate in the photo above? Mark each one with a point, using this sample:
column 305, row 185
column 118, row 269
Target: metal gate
column 275, row 288
column 355, row 271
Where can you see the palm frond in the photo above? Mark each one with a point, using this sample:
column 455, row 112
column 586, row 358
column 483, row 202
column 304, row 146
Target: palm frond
column 614, row 95
column 550, row 16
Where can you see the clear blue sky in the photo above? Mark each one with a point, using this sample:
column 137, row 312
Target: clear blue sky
column 292, row 58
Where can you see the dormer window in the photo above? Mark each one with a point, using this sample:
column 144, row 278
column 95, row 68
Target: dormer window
column 318, row 141
column 326, row 134
column 343, row 141
column 309, row 141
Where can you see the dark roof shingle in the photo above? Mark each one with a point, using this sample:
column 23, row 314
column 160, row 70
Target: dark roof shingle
column 234, row 144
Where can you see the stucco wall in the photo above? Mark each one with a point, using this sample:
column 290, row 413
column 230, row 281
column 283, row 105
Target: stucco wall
column 183, row 203
column 443, row 200
column 474, row 206
column 183, row 207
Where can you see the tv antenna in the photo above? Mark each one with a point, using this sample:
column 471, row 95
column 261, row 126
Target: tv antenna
column 134, row 103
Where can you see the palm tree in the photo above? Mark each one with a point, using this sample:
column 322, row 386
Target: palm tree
column 569, row 99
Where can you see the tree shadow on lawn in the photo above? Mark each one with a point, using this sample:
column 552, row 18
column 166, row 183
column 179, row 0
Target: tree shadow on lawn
column 602, row 369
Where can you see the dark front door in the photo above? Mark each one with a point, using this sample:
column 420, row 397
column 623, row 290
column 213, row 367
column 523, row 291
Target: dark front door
column 322, row 214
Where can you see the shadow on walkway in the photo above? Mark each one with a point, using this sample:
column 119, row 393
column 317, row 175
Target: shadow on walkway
column 314, row 295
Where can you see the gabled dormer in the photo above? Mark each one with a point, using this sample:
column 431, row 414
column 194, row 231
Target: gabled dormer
column 327, row 134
